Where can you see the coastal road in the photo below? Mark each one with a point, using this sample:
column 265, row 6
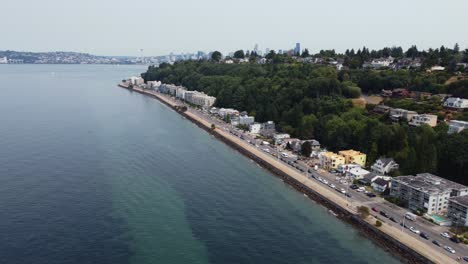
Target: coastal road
column 356, row 198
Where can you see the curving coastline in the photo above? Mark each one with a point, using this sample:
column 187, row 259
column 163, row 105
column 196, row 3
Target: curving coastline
column 408, row 249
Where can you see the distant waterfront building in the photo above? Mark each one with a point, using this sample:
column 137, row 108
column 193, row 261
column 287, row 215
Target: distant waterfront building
column 246, row 120
column 426, row 191
column 457, row 126
column 199, row 98
column 457, row 103
column 353, row 156
column 357, row 173
column 255, row 128
column 279, row 138
column 4, row 60
column 153, row 85
column 418, row 120
column 330, row 160
column 224, row 112
column 136, row 80
column 268, row 129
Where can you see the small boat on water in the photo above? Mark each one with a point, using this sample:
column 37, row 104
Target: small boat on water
column 306, row 195
column 332, row 213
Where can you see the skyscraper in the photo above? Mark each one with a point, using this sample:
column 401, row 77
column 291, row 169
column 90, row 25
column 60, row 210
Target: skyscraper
column 297, row 49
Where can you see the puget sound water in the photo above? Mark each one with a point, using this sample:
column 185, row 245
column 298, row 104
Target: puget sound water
column 92, row 173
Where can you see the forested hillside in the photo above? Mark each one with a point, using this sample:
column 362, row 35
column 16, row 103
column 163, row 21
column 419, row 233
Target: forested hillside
column 310, row 101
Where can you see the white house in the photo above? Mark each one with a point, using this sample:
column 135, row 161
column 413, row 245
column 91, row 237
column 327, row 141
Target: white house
column 456, row 126
column 427, row 119
column 357, row 173
column 380, row 185
column 255, row 128
column 437, row 68
column 223, row 112
column 458, row 103
column 278, row 138
column 384, row 166
column 246, row 120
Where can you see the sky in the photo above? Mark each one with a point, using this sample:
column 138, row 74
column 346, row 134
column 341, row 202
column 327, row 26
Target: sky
column 123, row 27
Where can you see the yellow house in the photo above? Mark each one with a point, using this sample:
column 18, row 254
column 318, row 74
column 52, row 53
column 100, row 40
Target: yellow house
column 330, row 160
column 353, row 156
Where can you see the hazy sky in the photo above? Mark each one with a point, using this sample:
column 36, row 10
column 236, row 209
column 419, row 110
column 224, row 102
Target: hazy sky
column 122, row 27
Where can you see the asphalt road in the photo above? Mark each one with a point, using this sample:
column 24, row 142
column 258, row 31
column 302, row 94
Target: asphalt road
column 356, row 198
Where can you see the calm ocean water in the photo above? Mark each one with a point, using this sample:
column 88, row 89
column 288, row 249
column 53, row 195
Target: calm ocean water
column 91, row 173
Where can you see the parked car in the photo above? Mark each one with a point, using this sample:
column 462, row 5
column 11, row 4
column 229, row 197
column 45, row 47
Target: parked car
column 384, row 214
column 393, row 219
column 445, row 234
column 354, row 187
column 414, row 230
column 435, row 242
column 455, row 239
column 424, row 235
column 465, row 258
column 449, row 249
column 348, row 195
column 375, row 209
column 371, row 195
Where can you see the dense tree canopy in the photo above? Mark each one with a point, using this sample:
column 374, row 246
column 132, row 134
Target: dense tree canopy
column 312, row 102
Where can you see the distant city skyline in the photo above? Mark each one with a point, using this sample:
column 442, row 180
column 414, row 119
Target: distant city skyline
column 153, row 28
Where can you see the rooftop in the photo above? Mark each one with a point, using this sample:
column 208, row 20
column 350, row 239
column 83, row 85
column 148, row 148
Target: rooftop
column 463, row 200
column 350, row 152
column 427, row 182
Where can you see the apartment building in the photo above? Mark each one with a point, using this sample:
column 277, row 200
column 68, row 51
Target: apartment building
column 330, row 160
column 426, row 191
column 458, row 210
column 353, row 156
column 199, row 98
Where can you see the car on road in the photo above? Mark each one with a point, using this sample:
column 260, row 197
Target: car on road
column 371, row 195
column 266, row 150
column 354, row 187
column 435, row 242
column 414, row 230
column 393, row 219
column 449, row 249
column 465, row 258
column 342, row 190
column 361, row 189
column 384, row 214
column 424, row 235
column 332, row 186
column 375, row 209
column 403, row 225
column 445, row 234
column 348, row 195
column 455, row 240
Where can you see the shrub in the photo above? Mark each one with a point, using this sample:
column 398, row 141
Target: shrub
column 378, row 223
column 363, row 211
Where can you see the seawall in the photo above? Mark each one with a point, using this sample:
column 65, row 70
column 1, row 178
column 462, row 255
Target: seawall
column 405, row 253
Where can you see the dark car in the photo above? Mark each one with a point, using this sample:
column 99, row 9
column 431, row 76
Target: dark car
column 435, row 242
column 354, row 187
column 371, row 195
column 455, row 239
column 424, row 235
column 348, row 195
column 393, row 219
column 375, row 209
column 384, row 214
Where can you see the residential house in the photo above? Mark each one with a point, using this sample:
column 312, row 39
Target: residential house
column 246, row 120
column 384, row 166
column 397, row 113
column 225, row 112
column 357, row 173
column 382, row 109
column 255, row 128
column 437, row 68
column 400, row 93
column 280, row 137
column 353, row 156
column 380, row 185
column 268, row 129
column 418, row 120
column 330, row 160
column 426, row 192
column 456, row 103
column 457, row 126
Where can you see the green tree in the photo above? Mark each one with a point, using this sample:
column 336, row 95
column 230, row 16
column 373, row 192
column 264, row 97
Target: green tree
column 239, row 54
column 363, row 211
column 216, row 56
column 306, row 149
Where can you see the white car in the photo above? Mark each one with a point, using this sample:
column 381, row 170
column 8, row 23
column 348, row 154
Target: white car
column 414, row 230
column 266, row 150
column 445, row 234
column 449, row 249
column 332, row 186
column 325, row 181
column 342, row 190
